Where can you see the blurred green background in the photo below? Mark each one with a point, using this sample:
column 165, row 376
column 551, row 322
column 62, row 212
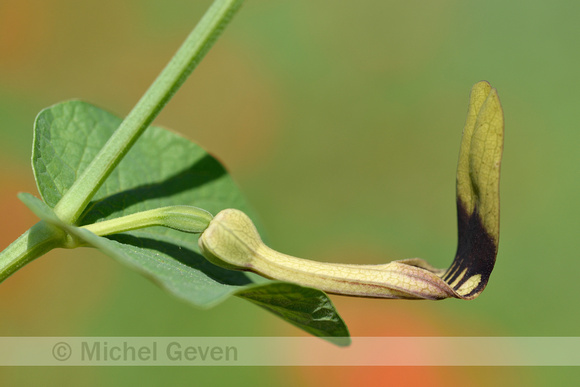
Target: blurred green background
column 341, row 121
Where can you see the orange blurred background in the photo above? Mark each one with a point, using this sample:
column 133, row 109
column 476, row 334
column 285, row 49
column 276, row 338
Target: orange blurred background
column 341, row 122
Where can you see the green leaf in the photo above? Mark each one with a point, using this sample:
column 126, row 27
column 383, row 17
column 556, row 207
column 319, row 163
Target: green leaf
column 306, row 308
column 161, row 169
column 40, row 209
column 173, row 276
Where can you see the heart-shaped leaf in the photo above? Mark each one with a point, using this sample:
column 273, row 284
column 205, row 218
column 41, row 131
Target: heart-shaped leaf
column 161, row 169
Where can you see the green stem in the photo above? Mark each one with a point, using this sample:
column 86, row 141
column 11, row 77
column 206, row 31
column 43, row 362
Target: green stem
column 35, row 242
column 197, row 44
column 183, row 218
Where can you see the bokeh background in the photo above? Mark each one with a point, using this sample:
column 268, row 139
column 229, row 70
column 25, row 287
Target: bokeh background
column 341, row 121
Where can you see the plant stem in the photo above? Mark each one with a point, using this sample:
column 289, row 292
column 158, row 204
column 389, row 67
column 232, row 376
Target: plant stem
column 197, row 44
column 183, row 218
column 35, row 242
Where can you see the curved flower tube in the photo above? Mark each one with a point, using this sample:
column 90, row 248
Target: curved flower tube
column 232, row 241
